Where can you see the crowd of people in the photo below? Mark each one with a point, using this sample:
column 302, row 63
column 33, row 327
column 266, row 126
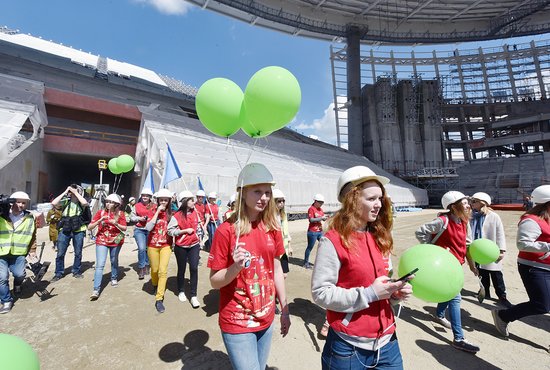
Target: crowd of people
column 249, row 248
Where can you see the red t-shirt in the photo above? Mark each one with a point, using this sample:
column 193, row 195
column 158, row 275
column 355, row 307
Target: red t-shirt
column 142, row 210
column 212, row 210
column 158, row 237
column 108, row 234
column 247, row 304
column 189, row 221
column 313, row 212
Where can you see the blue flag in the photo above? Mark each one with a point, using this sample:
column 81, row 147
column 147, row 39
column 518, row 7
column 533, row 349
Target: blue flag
column 149, row 182
column 171, row 169
column 200, row 184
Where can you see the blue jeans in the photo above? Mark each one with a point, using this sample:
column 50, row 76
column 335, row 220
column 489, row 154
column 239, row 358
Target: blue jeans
column 339, row 355
column 454, row 312
column 62, row 246
column 211, row 228
column 537, row 285
column 15, row 264
column 312, row 237
column 248, row 351
column 141, row 240
column 100, row 258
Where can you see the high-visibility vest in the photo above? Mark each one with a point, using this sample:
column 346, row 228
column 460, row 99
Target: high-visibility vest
column 16, row 241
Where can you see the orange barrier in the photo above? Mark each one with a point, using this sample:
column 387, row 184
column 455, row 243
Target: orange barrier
column 508, row 207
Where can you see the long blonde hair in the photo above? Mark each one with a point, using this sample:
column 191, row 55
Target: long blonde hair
column 348, row 219
column 244, row 226
column 458, row 209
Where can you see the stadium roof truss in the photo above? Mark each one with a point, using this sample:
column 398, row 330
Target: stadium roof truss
column 393, row 21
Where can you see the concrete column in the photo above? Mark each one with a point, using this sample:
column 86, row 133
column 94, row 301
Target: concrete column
column 485, row 77
column 460, row 76
column 355, row 123
column 537, row 68
column 510, row 72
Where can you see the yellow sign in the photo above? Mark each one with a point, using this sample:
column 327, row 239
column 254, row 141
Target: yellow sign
column 102, row 164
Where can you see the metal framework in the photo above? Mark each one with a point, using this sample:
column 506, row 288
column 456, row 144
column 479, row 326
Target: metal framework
column 393, row 21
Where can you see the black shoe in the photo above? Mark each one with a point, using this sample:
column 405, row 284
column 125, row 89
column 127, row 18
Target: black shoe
column 465, row 346
column 17, row 289
column 141, row 273
column 504, row 302
column 56, row 278
column 78, row 276
column 159, row 306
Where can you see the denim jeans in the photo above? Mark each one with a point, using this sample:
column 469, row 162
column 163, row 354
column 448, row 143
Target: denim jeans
column 248, row 351
column 312, row 237
column 211, row 228
column 537, row 285
column 454, row 312
column 100, row 258
column 498, row 282
column 191, row 255
column 62, row 246
column 15, row 264
column 141, row 240
column 339, row 355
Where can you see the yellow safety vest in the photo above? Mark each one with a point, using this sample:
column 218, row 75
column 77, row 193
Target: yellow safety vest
column 16, row 242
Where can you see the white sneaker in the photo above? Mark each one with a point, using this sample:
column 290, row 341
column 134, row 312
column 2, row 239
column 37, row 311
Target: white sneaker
column 6, row 307
column 182, row 297
column 114, row 283
column 442, row 321
column 195, row 302
column 94, row 296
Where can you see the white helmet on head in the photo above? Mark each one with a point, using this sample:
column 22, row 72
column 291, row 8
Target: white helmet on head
column 482, row 196
column 451, row 197
column 185, row 194
column 212, row 195
column 319, row 198
column 356, row 176
column 278, row 194
column 114, row 198
column 201, row 193
column 163, row 193
column 253, row 174
column 233, row 198
column 147, row 191
column 20, row 195
column 131, row 199
column 540, row 195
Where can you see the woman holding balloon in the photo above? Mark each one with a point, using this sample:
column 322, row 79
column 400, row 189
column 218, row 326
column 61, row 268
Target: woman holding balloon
column 350, row 277
column 533, row 242
column 451, row 230
column 487, row 224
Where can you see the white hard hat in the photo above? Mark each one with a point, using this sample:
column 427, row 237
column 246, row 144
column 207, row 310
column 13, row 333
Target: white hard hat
column 233, row 198
column 319, row 198
column 213, row 195
column 540, row 195
column 163, row 193
column 482, row 196
column 20, row 195
column 131, row 199
column 278, row 194
column 147, row 191
column 114, row 198
column 201, row 193
column 253, row 174
column 356, row 175
column 451, row 197
column 185, row 194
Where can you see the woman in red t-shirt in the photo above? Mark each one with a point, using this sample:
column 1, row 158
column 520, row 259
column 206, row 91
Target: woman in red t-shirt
column 159, row 245
column 111, row 225
column 245, row 266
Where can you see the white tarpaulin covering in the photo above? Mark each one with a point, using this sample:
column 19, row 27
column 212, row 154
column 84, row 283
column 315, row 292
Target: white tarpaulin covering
column 10, row 124
column 301, row 168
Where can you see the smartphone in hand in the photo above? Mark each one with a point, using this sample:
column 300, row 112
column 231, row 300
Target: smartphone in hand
column 405, row 277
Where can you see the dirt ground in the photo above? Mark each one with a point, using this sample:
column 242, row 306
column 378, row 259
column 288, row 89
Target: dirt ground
column 122, row 330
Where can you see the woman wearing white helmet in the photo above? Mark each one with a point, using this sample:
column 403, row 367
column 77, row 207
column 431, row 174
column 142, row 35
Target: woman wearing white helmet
column 316, row 216
column 245, row 266
column 533, row 242
column 111, row 227
column 351, row 281
column 212, row 219
column 143, row 211
column 230, row 207
column 159, row 245
column 279, row 197
column 451, row 230
column 485, row 223
column 183, row 228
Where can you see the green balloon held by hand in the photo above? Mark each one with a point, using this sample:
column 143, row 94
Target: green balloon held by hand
column 218, row 104
column 113, row 166
column 16, row 354
column 125, row 163
column 272, row 98
column 439, row 277
column 484, row 251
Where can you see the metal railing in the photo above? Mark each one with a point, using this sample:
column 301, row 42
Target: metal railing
column 91, row 134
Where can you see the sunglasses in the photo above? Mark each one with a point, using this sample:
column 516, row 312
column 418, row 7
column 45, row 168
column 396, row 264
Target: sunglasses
column 280, row 200
column 474, row 201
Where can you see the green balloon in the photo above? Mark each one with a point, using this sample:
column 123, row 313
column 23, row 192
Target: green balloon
column 272, row 98
column 439, row 277
column 218, row 103
column 113, row 166
column 16, row 354
column 125, row 163
column 484, row 251
column 249, row 128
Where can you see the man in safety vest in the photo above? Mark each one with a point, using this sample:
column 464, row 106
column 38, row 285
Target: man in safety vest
column 17, row 239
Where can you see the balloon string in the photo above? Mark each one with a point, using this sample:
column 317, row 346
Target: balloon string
column 236, row 156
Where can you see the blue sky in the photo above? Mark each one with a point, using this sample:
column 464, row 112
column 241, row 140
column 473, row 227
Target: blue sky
column 175, row 38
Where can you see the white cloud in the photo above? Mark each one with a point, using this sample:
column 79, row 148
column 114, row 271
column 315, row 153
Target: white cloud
column 170, row 7
column 323, row 128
